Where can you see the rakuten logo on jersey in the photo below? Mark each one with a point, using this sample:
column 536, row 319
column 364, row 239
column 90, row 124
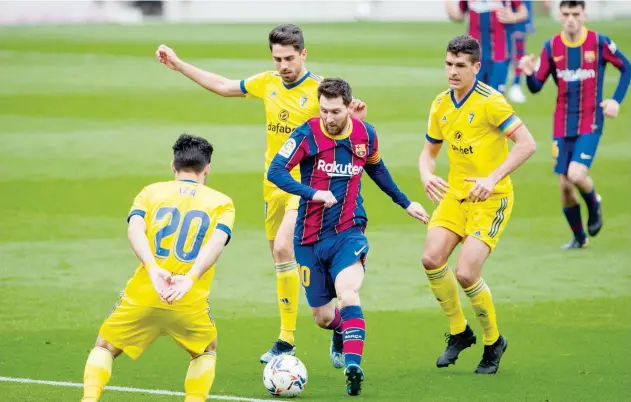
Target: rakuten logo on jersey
column 575, row 75
column 338, row 169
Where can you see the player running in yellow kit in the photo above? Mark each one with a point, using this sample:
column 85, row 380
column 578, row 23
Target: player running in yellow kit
column 290, row 98
column 178, row 230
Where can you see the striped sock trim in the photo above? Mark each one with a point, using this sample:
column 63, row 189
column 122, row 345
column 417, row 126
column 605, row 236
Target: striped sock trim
column 475, row 289
column 285, row 266
column 436, row 274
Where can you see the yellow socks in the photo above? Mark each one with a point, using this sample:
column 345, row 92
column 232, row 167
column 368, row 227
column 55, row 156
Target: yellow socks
column 200, row 377
column 482, row 304
column 445, row 287
column 288, row 291
column 98, row 371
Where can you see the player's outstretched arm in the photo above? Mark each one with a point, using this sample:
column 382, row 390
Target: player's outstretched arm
column 435, row 187
column 136, row 233
column 537, row 73
column 207, row 257
column 455, row 11
column 213, row 82
column 380, row 174
column 525, row 146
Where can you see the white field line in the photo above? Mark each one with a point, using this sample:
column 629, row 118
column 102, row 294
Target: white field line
column 125, row 389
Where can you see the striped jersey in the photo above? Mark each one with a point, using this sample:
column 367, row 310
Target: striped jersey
column 578, row 70
column 487, row 29
column 336, row 164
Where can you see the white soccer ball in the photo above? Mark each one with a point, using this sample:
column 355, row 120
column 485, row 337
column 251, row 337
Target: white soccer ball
column 285, row 376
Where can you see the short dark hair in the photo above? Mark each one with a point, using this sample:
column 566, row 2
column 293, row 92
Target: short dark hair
column 191, row 153
column 465, row 44
column 332, row 88
column 572, row 4
column 287, row 35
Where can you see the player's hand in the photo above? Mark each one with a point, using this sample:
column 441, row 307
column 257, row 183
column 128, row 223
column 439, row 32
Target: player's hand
column 610, row 108
column 326, row 197
column 167, row 56
column 482, row 188
column 435, row 188
column 358, row 109
column 527, row 64
column 506, row 15
column 180, row 285
column 416, row 210
column 160, row 279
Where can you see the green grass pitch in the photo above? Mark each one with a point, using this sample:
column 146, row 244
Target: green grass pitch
column 87, row 118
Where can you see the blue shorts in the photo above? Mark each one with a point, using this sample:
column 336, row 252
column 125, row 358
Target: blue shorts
column 581, row 149
column 494, row 73
column 527, row 26
column 322, row 261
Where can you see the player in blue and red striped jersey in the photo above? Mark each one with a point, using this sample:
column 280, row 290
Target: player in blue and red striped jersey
column 333, row 151
column 488, row 24
column 518, row 33
column 576, row 60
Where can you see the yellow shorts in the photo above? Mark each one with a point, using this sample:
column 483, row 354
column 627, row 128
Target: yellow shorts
column 277, row 202
column 133, row 328
column 483, row 220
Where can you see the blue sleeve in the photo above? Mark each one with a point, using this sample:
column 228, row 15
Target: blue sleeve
column 295, row 149
column 533, row 84
column 379, row 173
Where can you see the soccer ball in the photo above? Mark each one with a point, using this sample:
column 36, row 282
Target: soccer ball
column 285, row 376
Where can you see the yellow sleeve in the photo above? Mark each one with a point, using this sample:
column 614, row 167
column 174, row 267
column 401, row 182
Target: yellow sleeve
column 254, row 86
column 225, row 219
column 140, row 205
column 501, row 115
column 433, row 129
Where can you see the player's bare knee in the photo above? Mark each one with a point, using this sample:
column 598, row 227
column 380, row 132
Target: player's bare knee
column 323, row 316
column 576, row 175
column 283, row 250
column 431, row 260
column 466, row 278
column 212, row 346
column 349, row 297
column 102, row 343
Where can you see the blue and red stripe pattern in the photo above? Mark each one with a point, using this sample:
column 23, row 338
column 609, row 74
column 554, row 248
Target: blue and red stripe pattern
column 333, row 164
column 486, row 28
column 578, row 70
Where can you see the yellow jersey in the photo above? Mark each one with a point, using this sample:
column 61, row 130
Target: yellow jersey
column 476, row 130
column 180, row 216
column 286, row 107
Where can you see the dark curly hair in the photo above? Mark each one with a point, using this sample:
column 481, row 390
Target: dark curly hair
column 191, row 153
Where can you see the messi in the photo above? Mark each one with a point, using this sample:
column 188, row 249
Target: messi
column 278, row 128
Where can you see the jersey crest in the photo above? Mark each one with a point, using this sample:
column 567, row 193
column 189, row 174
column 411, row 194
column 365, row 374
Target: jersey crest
column 360, row 150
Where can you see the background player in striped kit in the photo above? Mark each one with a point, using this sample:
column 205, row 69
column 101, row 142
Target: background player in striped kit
column 576, row 59
column 333, row 151
column 488, row 24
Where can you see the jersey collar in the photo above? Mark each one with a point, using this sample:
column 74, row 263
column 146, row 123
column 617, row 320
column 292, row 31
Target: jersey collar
column 578, row 42
column 300, row 81
column 341, row 136
column 189, row 181
column 458, row 104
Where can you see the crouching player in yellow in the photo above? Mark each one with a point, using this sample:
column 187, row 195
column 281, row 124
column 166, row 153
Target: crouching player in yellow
column 475, row 204
column 178, row 230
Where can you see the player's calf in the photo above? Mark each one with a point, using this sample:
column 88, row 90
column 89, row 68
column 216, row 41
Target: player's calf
column 201, row 374
column 98, row 369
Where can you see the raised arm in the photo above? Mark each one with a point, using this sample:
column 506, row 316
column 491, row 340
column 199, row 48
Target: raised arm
column 455, row 12
column 536, row 75
column 213, row 82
